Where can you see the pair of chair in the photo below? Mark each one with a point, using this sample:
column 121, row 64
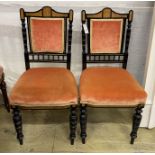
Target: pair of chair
column 50, row 40
column 3, row 89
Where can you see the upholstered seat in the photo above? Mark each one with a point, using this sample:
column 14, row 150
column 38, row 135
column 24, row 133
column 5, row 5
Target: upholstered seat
column 45, row 87
column 110, row 86
column 1, row 71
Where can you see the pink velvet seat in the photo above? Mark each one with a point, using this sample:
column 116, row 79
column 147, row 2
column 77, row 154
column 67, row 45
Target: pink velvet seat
column 110, row 87
column 45, row 87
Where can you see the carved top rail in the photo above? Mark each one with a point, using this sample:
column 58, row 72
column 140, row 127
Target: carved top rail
column 106, row 13
column 46, row 12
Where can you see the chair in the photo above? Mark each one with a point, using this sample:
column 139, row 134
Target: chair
column 3, row 89
column 106, row 41
column 45, row 87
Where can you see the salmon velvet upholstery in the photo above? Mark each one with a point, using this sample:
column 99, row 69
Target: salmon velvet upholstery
column 105, row 35
column 47, row 34
column 45, row 87
column 1, row 71
column 110, row 86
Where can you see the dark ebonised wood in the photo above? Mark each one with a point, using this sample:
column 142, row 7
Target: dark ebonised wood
column 73, row 124
column 83, row 122
column 4, row 93
column 136, row 122
column 17, row 119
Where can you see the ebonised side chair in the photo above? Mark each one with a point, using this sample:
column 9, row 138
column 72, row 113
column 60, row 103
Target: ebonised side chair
column 3, row 89
column 106, row 41
column 47, row 37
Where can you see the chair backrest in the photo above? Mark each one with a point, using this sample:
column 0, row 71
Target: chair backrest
column 47, row 33
column 109, row 35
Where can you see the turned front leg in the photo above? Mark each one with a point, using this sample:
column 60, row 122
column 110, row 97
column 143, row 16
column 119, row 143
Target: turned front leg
column 17, row 119
column 136, row 122
column 83, row 122
column 73, row 124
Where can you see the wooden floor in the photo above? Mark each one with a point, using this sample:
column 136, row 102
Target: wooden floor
column 47, row 131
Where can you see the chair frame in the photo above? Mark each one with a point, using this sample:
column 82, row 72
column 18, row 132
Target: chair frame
column 120, row 58
column 4, row 93
column 33, row 57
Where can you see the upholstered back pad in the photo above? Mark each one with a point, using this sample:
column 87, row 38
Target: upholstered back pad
column 105, row 35
column 47, row 34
